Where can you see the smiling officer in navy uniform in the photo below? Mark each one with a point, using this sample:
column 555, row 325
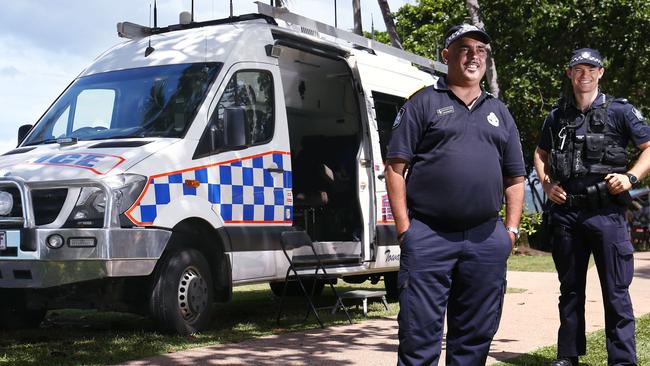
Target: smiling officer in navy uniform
column 461, row 149
column 582, row 163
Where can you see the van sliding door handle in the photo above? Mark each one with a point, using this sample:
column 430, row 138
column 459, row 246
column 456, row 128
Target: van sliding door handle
column 273, row 168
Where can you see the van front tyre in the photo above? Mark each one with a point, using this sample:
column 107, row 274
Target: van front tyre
column 182, row 294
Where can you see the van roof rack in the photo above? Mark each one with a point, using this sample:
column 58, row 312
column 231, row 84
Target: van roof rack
column 307, row 26
column 314, row 28
column 136, row 31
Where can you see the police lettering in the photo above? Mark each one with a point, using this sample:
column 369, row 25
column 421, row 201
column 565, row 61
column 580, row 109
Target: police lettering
column 81, row 160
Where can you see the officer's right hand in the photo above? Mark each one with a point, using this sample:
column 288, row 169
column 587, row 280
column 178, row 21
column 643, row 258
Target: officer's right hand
column 554, row 192
column 401, row 228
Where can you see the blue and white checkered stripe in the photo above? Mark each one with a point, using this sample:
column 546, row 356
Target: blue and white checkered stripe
column 242, row 191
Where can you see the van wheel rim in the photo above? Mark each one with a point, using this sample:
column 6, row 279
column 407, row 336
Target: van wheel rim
column 192, row 294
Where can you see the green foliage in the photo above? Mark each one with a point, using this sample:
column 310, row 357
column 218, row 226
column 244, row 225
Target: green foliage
column 378, row 36
column 529, row 223
column 422, row 27
column 532, row 44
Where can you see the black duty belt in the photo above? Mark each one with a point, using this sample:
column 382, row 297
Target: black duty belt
column 584, row 201
column 576, row 201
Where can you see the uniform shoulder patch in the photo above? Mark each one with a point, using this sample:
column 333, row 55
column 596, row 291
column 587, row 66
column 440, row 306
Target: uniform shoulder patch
column 398, row 118
column 638, row 114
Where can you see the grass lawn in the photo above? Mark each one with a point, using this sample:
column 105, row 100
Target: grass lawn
column 535, row 263
column 596, row 352
column 76, row 337
column 526, row 263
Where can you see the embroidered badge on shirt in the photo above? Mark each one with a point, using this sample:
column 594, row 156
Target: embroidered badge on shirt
column 638, row 114
column 493, row 119
column 445, row 110
column 398, row 118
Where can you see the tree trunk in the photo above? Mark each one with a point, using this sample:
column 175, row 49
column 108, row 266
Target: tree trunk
column 356, row 10
column 390, row 25
column 491, row 72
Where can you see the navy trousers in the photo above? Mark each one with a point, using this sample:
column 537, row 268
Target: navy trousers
column 460, row 272
column 603, row 232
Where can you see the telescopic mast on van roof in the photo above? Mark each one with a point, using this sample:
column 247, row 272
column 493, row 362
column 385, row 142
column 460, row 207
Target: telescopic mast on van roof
column 296, row 22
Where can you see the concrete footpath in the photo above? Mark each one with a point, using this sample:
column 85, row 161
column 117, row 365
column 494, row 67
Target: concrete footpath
column 529, row 321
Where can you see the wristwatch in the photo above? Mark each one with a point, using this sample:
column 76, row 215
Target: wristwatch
column 514, row 230
column 633, row 179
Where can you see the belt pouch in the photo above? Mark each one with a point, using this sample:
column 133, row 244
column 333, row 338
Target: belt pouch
column 561, row 165
column 593, row 198
column 578, row 164
column 595, row 146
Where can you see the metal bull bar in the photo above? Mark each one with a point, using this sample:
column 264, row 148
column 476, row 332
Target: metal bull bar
column 26, row 261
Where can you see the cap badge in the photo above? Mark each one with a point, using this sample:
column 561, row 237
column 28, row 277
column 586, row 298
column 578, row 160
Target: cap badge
column 493, row 119
column 586, row 55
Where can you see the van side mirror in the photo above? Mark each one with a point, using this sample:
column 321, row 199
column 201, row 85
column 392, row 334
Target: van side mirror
column 23, row 131
column 236, row 129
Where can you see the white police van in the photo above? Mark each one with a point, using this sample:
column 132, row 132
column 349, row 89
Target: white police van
column 164, row 174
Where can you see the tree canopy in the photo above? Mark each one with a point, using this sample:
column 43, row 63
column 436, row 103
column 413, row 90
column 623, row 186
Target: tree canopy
column 532, row 43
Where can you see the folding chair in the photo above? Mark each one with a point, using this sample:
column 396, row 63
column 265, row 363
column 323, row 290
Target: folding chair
column 306, row 264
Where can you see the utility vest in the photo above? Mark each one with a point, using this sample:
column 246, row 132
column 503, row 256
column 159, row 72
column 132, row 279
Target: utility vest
column 576, row 154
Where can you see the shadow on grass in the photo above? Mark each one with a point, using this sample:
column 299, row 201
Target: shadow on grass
column 73, row 337
column 519, row 359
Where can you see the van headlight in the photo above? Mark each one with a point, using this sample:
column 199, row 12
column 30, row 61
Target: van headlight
column 91, row 204
column 6, row 203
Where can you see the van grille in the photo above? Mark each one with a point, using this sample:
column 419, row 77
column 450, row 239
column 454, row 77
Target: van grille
column 47, row 205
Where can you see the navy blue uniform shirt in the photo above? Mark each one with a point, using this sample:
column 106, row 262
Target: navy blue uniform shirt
column 457, row 156
column 624, row 123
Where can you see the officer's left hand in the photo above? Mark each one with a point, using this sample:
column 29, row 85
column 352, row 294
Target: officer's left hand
column 617, row 183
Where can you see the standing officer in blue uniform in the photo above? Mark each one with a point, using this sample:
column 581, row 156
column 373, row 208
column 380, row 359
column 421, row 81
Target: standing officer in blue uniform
column 582, row 163
column 461, row 149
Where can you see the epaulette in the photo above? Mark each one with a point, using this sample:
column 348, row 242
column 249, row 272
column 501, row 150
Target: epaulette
column 621, row 100
column 415, row 92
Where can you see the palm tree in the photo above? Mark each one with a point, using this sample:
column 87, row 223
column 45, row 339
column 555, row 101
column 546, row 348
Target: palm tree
column 356, row 11
column 491, row 72
column 390, row 25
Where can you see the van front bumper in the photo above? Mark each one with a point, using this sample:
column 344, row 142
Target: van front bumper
column 26, row 261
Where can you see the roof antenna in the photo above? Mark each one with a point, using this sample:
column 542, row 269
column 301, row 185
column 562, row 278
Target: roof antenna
column 150, row 49
column 192, row 19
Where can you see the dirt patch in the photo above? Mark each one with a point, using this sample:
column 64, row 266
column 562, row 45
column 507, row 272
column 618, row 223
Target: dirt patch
column 528, row 251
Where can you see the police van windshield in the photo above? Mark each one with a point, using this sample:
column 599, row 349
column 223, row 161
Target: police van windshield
column 158, row 101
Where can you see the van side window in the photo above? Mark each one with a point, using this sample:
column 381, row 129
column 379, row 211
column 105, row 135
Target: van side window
column 252, row 91
column 386, row 108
